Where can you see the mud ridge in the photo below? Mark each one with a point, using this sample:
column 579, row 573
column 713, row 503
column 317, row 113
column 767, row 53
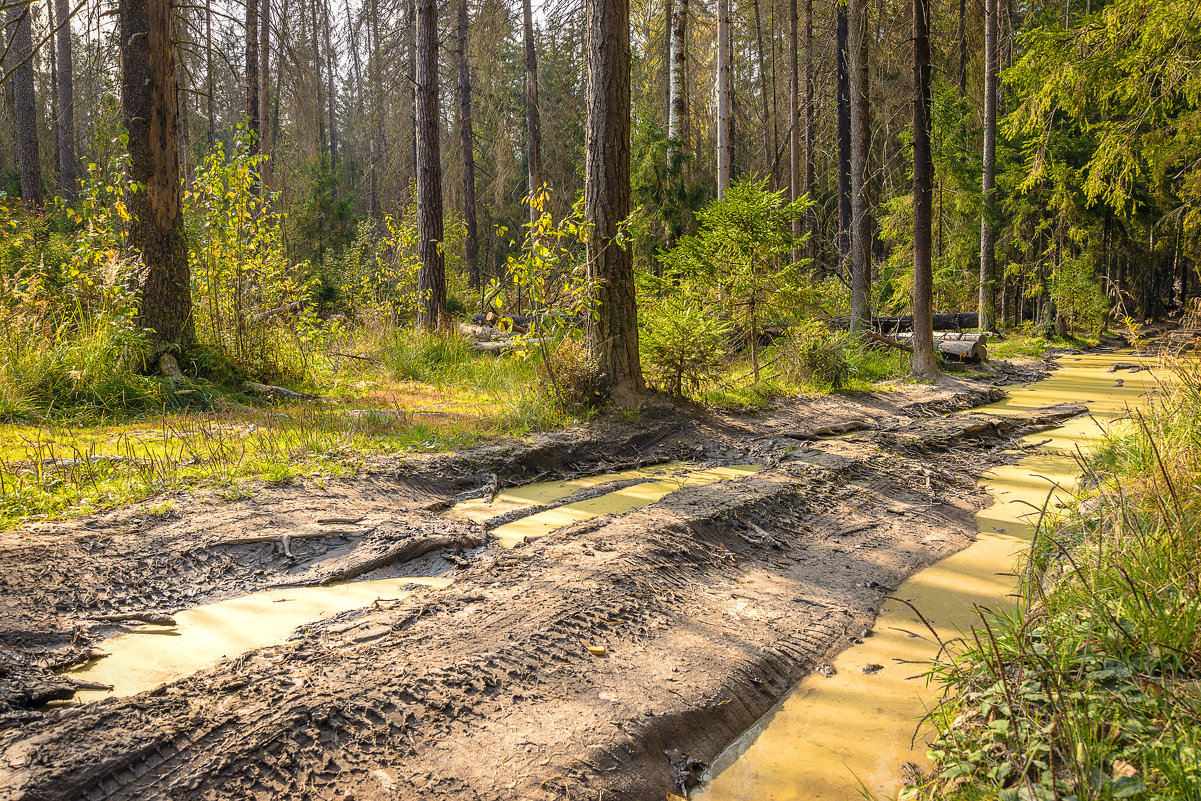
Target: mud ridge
column 608, row 659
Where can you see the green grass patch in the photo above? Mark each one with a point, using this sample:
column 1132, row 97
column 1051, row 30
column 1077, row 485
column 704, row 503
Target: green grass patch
column 1092, row 688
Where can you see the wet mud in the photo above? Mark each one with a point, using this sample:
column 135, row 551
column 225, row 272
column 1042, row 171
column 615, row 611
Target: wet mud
column 853, row 726
column 611, row 658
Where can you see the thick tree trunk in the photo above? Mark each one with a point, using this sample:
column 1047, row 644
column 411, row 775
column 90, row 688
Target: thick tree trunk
column 987, row 235
column 252, row 72
column 860, row 222
column 532, row 123
column 794, row 118
column 149, row 109
column 611, row 331
column 431, row 276
column 25, row 112
column 844, row 136
column 68, row 179
column 467, row 145
column 924, row 363
column 725, row 91
column 677, row 119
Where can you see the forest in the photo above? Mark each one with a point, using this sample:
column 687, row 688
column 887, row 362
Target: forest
column 674, row 346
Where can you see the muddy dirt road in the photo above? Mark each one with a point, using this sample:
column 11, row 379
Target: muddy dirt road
column 610, row 659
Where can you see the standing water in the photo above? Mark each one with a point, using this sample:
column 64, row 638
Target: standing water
column 832, row 738
column 148, row 656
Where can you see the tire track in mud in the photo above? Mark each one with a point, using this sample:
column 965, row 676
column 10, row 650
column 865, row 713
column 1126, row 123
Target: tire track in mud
column 487, row 689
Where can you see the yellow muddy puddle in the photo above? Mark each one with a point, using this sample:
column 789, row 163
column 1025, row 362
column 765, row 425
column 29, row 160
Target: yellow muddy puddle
column 830, row 738
column 539, row 494
column 622, row 500
column 148, row 656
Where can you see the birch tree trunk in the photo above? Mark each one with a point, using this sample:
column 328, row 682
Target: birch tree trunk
column 677, row 119
column 149, row 109
column 725, row 89
column 925, row 365
column 431, row 276
column 611, row 331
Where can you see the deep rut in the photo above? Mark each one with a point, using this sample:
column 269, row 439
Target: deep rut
column 700, row 611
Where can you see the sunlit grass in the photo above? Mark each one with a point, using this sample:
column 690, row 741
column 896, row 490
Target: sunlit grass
column 64, row 467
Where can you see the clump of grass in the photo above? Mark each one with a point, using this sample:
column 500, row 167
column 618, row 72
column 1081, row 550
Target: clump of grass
column 1092, row 688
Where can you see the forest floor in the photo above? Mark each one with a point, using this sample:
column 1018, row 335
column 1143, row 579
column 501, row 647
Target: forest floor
column 610, row 659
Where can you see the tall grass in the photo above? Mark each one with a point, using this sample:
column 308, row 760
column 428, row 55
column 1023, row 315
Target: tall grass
column 1092, row 688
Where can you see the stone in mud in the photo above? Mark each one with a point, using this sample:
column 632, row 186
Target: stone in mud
column 871, row 669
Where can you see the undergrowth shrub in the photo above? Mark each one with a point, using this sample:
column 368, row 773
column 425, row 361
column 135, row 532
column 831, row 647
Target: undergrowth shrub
column 682, row 343
column 815, row 355
column 68, row 342
column 251, row 303
column 569, row 374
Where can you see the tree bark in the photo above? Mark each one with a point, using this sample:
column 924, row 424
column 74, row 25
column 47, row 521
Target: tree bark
column 431, row 276
column 264, row 109
column 467, row 145
column 961, row 36
column 323, row 143
column 149, row 110
column 810, row 131
column 844, row 137
column 677, row 120
column 25, row 112
column 210, row 100
column 925, row 365
column 794, row 114
column 860, row 223
column 330, row 97
column 532, row 123
column 767, row 149
column 68, row 180
column 987, row 234
column 725, row 90
column 252, row 73
column 611, row 331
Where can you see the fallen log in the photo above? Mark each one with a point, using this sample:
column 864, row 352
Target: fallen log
column 153, row 618
column 481, row 333
column 947, row 321
column 505, row 345
column 404, row 552
column 281, row 392
column 964, row 350
column 957, row 336
column 969, row 349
